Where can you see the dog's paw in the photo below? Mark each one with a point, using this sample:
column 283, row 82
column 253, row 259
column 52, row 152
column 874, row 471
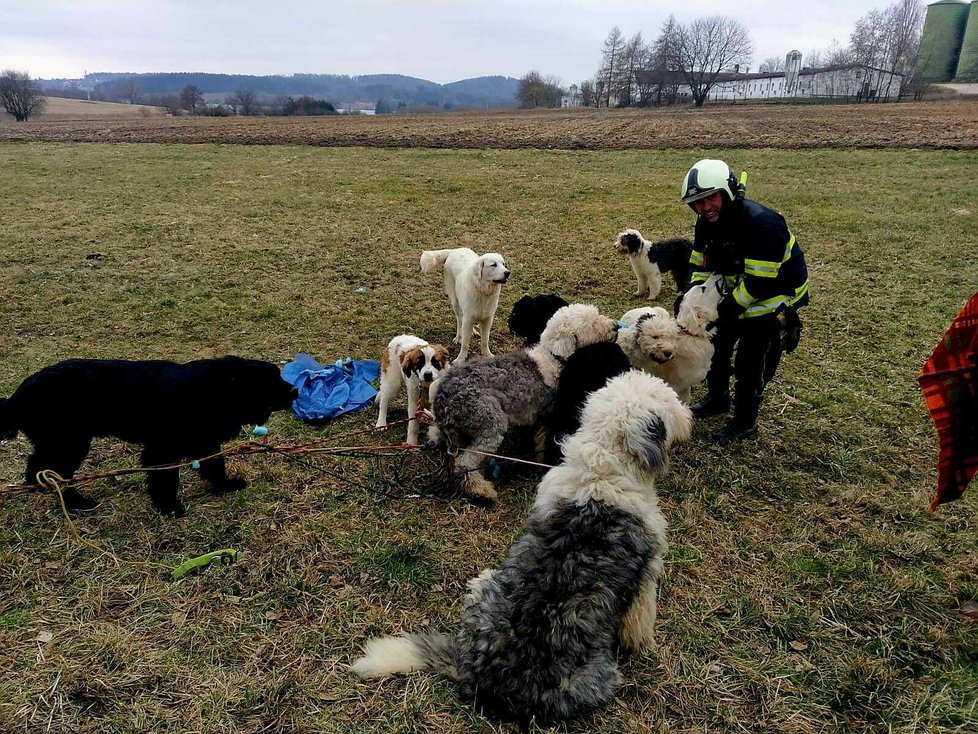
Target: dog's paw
column 174, row 509
column 228, row 485
column 479, row 489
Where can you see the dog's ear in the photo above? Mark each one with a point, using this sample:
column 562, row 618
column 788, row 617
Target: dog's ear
column 411, row 361
column 646, row 440
column 441, row 358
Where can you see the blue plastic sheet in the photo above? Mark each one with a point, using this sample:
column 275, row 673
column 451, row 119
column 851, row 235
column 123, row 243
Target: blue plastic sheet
column 326, row 392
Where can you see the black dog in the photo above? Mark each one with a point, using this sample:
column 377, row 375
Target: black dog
column 177, row 412
column 586, row 370
column 530, row 315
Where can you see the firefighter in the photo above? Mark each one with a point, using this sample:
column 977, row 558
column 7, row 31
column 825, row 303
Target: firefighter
column 764, row 282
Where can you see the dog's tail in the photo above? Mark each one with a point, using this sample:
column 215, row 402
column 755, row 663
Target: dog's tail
column 8, row 423
column 385, row 656
column 433, row 260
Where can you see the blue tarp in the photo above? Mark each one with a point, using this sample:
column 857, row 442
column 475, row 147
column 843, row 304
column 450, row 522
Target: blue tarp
column 326, row 392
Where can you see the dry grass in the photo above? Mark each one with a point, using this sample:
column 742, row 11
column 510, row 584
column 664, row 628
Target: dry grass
column 942, row 124
column 61, row 109
column 808, row 588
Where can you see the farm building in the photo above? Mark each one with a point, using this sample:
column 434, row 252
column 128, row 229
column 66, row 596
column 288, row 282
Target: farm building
column 853, row 82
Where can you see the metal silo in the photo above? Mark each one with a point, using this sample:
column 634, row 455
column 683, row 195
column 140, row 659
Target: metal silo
column 940, row 41
column 968, row 59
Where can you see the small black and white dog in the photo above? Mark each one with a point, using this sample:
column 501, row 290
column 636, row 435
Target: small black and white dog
column 530, row 315
column 176, row 411
column 539, row 636
column 650, row 260
column 586, row 370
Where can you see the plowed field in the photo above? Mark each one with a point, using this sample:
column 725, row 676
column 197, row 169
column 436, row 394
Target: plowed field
column 951, row 124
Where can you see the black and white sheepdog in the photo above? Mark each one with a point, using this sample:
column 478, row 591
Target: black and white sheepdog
column 650, row 260
column 476, row 402
column 530, row 315
column 587, row 370
column 540, row 634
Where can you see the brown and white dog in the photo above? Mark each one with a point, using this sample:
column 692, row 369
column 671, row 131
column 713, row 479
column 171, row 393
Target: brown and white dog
column 411, row 361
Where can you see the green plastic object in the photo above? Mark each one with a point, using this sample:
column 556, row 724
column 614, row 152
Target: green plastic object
column 225, row 557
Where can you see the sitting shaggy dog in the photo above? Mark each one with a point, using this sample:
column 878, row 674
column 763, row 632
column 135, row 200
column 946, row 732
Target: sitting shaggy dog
column 176, row 411
column 679, row 353
column 473, row 283
column 587, row 370
column 530, row 315
column 650, row 260
column 540, row 634
column 475, row 403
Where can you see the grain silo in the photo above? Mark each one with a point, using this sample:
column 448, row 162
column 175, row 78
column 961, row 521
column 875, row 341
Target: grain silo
column 940, row 41
column 968, row 59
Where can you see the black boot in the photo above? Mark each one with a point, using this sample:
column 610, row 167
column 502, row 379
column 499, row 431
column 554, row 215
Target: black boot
column 734, row 431
column 712, row 404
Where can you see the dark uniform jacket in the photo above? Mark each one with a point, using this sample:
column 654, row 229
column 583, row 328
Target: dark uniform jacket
column 750, row 245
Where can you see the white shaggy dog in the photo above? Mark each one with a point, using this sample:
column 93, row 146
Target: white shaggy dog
column 411, row 361
column 475, row 403
column 706, row 296
column 473, row 283
column 539, row 635
column 679, row 353
column 649, row 260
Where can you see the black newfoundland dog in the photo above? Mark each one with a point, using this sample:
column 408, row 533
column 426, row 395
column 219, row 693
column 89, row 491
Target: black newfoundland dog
column 530, row 315
column 177, row 412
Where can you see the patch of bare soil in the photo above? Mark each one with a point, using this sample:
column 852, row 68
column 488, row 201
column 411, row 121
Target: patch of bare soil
column 944, row 124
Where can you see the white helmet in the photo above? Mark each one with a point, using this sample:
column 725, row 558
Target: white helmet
column 706, row 177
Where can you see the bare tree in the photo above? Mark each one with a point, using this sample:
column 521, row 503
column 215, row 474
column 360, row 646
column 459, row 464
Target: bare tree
column 771, row 63
column 588, row 98
column 192, row 99
column 887, row 41
column 536, row 90
column 705, row 48
column 245, row 101
column 659, row 81
column 130, row 91
column 611, row 62
column 20, row 95
column 632, row 57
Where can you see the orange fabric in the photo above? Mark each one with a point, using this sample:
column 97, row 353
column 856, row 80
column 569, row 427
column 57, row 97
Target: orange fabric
column 949, row 381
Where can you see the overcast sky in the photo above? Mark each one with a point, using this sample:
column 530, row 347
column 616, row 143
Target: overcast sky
column 439, row 40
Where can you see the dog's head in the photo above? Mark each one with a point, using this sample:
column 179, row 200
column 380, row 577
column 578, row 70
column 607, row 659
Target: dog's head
column 629, row 242
column 638, row 418
column 491, row 268
column 656, row 335
column 254, row 389
column 576, row 326
column 697, row 320
column 530, row 315
column 428, row 362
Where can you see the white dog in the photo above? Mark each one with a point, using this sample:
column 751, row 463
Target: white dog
column 539, row 636
column 679, row 353
column 473, row 283
column 706, row 296
column 410, row 360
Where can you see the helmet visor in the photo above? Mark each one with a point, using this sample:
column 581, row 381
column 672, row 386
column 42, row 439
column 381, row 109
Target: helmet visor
column 695, row 194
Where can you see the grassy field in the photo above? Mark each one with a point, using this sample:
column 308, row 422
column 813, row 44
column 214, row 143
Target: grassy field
column 808, row 587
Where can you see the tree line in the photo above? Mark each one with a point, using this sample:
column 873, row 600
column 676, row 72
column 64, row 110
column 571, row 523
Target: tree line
column 694, row 55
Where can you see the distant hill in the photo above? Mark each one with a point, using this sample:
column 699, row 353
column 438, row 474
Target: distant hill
column 341, row 90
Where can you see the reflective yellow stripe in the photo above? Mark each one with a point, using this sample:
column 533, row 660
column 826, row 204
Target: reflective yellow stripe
column 699, row 276
column 696, row 258
column 770, row 305
column 788, row 248
column 741, row 295
column 761, row 268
